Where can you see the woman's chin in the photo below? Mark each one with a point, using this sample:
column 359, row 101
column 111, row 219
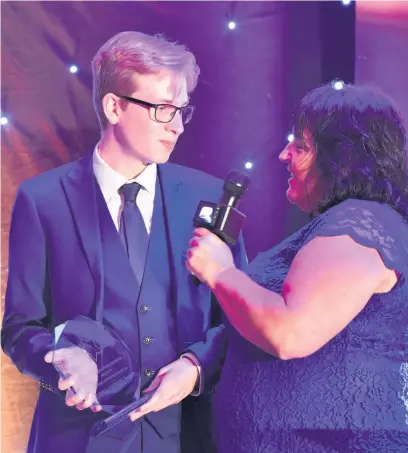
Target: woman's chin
column 291, row 196
column 301, row 202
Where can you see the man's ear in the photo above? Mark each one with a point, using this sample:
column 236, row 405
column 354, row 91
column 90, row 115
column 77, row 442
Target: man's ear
column 111, row 107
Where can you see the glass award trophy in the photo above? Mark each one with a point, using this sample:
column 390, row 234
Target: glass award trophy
column 101, row 362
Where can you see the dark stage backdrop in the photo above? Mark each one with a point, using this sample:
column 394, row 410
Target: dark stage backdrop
column 251, row 78
column 382, row 48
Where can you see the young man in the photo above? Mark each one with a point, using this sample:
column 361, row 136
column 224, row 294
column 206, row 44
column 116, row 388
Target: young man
column 73, row 252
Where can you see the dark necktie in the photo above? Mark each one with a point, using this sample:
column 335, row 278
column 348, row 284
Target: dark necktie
column 132, row 230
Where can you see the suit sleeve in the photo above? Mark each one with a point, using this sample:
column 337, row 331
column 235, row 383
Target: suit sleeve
column 25, row 335
column 211, row 352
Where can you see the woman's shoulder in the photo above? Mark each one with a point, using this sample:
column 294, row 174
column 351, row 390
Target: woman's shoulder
column 379, row 218
column 364, row 220
column 354, row 206
column 369, row 223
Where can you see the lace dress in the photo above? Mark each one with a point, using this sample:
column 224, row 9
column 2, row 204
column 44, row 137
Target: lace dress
column 351, row 396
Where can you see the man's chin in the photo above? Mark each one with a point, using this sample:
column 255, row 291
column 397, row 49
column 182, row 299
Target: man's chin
column 163, row 159
column 158, row 159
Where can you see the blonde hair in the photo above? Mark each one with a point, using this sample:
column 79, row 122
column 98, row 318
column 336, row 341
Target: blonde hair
column 132, row 52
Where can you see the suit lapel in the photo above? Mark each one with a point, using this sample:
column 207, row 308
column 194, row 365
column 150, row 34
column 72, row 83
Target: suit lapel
column 79, row 186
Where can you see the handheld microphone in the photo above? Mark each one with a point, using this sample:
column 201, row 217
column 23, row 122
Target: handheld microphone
column 224, row 219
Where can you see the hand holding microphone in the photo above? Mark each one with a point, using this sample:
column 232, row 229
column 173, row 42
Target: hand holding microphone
column 208, row 256
column 217, row 224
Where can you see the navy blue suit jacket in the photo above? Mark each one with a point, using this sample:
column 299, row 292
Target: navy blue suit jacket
column 56, row 273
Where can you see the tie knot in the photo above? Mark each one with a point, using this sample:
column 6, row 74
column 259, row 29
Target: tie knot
column 130, row 191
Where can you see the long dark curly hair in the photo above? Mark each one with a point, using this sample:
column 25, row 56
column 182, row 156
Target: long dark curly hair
column 360, row 145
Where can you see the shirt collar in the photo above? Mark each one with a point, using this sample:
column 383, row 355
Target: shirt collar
column 110, row 181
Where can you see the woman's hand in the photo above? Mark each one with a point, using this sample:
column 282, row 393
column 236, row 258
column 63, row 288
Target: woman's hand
column 208, row 256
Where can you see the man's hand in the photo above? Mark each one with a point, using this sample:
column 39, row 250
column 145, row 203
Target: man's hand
column 171, row 385
column 80, row 373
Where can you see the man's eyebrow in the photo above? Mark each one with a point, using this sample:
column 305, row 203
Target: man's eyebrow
column 170, row 101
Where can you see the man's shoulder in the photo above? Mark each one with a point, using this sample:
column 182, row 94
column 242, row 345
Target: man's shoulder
column 48, row 180
column 194, row 178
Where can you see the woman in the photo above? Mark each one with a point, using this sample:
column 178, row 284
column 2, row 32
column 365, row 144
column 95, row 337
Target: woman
column 317, row 358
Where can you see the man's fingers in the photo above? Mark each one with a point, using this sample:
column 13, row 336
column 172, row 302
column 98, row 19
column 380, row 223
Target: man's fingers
column 74, row 399
column 175, row 385
column 80, row 398
column 66, row 383
column 153, row 405
column 86, row 403
column 96, row 407
column 156, row 382
column 162, row 398
column 49, row 356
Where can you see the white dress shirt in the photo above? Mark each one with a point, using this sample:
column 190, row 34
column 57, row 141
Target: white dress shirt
column 110, row 181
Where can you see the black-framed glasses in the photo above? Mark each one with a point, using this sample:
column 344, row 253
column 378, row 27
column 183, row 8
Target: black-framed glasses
column 164, row 113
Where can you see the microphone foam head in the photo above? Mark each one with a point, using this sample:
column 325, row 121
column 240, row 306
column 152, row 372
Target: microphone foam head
column 236, row 183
